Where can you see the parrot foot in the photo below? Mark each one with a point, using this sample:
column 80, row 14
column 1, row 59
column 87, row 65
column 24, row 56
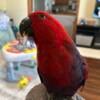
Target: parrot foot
column 50, row 96
column 55, row 97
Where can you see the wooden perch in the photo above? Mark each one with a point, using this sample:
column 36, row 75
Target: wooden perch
column 39, row 92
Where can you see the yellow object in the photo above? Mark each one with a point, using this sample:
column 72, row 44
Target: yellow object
column 29, row 50
column 33, row 57
column 7, row 46
column 23, row 82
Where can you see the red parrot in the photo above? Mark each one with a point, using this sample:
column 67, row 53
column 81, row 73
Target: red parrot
column 61, row 68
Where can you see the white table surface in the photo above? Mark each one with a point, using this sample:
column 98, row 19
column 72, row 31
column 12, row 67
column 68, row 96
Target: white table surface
column 10, row 91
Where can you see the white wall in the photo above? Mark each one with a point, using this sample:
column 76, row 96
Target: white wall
column 90, row 8
column 82, row 8
column 2, row 4
column 17, row 9
column 86, row 8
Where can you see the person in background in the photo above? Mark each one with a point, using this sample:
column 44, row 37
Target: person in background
column 14, row 28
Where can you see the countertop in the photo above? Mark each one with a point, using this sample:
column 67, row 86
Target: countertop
column 89, row 52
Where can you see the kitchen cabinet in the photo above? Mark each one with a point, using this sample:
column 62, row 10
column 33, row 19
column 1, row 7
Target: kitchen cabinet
column 65, row 7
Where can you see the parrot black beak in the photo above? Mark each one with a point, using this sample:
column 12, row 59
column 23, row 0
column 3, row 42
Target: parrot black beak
column 25, row 27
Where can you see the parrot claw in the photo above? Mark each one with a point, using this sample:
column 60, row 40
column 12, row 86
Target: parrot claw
column 53, row 97
column 50, row 96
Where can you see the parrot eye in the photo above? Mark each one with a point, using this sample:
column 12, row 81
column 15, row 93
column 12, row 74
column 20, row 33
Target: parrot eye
column 41, row 16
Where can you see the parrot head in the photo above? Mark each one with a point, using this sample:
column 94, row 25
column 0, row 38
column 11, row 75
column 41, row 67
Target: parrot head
column 42, row 27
